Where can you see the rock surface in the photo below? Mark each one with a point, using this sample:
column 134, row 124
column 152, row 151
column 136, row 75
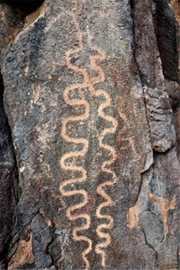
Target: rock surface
column 92, row 105
column 10, row 24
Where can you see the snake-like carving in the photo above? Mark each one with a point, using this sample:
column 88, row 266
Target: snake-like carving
column 106, row 166
column 68, row 160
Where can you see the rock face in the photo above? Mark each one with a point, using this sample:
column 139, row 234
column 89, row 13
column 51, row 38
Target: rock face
column 92, row 105
column 9, row 24
column 8, row 179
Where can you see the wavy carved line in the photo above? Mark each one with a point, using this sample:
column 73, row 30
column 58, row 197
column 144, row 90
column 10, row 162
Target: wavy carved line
column 100, row 188
column 71, row 166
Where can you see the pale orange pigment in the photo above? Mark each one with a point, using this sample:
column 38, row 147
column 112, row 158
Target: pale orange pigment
column 132, row 217
column 176, row 7
column 165, row 206
column 99, row 249
column 23, row 254
column 84, row 142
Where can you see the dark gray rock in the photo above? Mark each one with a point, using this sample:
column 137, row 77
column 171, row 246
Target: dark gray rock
column 96, row 65
column 152, row 227
column 8, row 180
column 165, row 26
column 160, row 117
column 41, row 239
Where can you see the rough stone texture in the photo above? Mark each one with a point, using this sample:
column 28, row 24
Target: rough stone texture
column 92, row 109
column 10, row 24
column 166, row 38
column 159, row 110
column 174, row 88
column 8, row 179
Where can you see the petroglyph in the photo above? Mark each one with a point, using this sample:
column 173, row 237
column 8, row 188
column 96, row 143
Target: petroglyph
column 164, row 206
column 71, row 166
column 106, row 169
column 106, row 166
column 68, row 160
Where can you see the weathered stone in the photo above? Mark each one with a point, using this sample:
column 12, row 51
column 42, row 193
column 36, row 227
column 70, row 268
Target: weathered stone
column 148, row 59
column 41, row 238
column 10, row 25
column 23, row 254
column 166, row 38
column 160, row 119
column 173, row 90
column 8, row 181
column 89, row 109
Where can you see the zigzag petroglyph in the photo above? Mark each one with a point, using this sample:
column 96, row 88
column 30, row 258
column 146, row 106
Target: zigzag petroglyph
column 71, row 166
column 99, row 249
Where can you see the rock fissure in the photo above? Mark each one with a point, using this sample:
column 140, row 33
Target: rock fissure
column 138, row 71
column 27, row 7
column 151, row 247
column 8, row 181
column 165, row 27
